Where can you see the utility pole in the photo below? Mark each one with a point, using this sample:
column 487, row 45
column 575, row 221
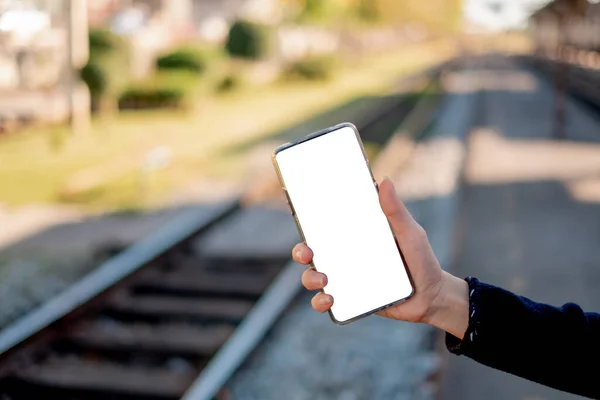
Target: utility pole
column 77, row 57
column 560, row 83
column 559, row 99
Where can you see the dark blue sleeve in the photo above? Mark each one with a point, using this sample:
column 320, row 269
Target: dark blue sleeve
column 555, row 346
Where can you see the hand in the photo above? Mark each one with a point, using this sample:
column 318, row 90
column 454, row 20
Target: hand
column 428, row 303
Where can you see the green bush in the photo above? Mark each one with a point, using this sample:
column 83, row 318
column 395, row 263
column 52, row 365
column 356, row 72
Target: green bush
column 228, row 83
column 368, row 10
column 101, row 40
column 95, row 78
column 139, row 98
column 165, row 90
column 248, row 40
column 107, row 69
column 182, row 60
column 313, row 68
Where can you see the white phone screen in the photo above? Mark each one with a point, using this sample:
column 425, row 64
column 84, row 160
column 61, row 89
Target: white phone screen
column 337, row 207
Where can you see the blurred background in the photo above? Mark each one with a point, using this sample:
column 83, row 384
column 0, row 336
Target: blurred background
column 101, row 88
column 128, row 122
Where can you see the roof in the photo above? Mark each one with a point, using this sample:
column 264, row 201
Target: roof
column 562, row 9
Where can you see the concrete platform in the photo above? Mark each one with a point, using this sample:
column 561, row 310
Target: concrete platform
column 522, row 225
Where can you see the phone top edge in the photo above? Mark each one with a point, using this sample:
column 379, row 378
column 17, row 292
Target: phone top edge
column 313, row 135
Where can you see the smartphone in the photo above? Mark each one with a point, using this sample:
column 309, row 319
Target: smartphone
column 333, row 197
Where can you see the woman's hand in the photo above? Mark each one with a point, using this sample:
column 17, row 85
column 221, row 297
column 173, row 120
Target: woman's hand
column 438, row 295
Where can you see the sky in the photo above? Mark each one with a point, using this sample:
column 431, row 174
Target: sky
column 501, row 14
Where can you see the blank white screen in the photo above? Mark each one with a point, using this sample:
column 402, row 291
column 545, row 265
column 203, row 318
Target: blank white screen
column 337, row 206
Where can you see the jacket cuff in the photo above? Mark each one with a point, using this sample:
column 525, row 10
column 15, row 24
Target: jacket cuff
column 456, row 345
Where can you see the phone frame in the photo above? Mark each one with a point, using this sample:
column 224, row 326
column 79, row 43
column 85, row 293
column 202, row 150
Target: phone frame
column 299, row 226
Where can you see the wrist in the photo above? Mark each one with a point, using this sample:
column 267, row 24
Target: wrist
column 449, row 310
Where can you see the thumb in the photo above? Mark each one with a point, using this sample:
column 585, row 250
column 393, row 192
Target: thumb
column 396, row 212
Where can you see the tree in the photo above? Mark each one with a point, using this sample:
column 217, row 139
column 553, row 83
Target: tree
column 248, row 40
column 107, row 70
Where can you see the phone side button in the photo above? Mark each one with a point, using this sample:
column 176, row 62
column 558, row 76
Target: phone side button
column 289, row 202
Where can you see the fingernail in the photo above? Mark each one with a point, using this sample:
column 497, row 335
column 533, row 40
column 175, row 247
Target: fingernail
column 325, row 300
column 298, row 254
column 323, row 280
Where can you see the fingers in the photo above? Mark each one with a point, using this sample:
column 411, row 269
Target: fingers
column 321, row 302
column 302, row 254
column 313, row 280
column 394, row 209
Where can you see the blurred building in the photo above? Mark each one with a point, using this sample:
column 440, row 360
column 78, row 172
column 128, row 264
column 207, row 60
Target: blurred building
column 130, row 16
column 181, row 18
column 566, row 23
column 153, row 26
column 41, row 44
column 498, row 15
column 32, row 45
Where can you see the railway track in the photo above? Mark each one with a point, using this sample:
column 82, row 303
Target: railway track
column 167, row 317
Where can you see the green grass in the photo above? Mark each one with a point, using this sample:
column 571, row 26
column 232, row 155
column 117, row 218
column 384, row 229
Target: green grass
column 37, row 165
